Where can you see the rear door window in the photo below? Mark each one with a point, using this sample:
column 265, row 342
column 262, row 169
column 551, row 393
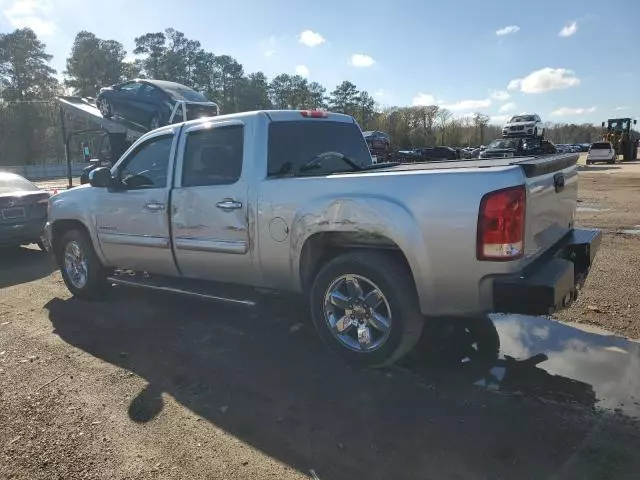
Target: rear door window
column 292, row 144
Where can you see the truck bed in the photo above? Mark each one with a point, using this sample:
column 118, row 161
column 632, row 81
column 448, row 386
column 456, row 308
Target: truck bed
column 532, row 166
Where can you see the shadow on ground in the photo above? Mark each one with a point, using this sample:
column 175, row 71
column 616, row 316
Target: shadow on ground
column 592, row 168
column 22, row 265
column 276, row 388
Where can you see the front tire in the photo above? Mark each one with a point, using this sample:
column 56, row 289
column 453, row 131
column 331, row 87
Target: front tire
column 82, row 272
column 365, row 308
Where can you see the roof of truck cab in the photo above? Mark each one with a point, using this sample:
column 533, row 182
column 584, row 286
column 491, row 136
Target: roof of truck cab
column 276, row 116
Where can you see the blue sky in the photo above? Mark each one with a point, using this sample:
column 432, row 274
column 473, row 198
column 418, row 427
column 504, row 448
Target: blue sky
column 468, row 55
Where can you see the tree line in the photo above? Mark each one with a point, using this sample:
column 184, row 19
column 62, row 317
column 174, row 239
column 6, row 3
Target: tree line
column 29, row 125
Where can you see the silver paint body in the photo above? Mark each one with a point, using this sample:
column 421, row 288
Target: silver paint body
column 430, row 214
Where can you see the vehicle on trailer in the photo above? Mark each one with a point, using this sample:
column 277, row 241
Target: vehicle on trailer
column 618, row 132
column 528, row 124
column 518, row 147
column 377, row 141
column 154, row 103
column 227, row 207
column 23, row 211
column 601, row 152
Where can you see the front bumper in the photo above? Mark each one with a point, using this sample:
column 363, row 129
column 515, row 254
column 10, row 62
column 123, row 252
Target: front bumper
column 518, row 133
column 551, row 282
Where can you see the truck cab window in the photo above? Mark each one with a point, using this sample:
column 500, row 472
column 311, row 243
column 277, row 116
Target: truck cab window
column 213, row 156
column 148, row 165
column 293, row 144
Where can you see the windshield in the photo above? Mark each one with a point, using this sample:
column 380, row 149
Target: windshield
column 293, row 144
column 14, row 183
column 502, row 144
column 522, row 118
column 601, row 146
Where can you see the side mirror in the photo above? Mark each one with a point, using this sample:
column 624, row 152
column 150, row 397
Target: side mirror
column 101, row 177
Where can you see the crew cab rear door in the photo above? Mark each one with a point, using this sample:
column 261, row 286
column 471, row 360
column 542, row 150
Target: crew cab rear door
column 209, row 216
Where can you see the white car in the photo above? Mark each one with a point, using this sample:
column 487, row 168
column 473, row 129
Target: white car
column 525, row 125
column 601, row 152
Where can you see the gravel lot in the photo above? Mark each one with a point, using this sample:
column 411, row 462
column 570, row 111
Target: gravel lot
column 143, row 386
column 610, row 200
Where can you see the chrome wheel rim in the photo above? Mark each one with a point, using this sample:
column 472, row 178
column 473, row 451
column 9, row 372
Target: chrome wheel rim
column 104, row 108
column 357, row 313
column 75, row 265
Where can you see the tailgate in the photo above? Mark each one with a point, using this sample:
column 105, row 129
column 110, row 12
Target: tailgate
column 552, row 197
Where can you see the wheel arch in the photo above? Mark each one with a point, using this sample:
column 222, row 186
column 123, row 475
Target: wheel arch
column 322, row 247
column 59, row 228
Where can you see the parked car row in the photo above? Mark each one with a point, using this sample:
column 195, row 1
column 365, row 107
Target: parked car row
column 573, row 147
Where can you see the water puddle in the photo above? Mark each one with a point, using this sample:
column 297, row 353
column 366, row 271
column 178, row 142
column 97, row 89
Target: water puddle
column 635, row 230
column 536, row 357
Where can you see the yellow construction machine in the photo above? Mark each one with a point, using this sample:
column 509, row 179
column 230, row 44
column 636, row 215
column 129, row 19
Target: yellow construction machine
column 624, row 139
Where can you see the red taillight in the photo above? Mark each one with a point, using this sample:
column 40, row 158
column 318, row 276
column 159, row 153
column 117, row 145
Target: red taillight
column 314, row 114
column 501, row 225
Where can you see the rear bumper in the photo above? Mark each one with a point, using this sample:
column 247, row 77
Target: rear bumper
column 550, row 283
column 21, row 233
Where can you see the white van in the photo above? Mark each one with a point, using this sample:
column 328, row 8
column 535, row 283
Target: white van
column 601, row 152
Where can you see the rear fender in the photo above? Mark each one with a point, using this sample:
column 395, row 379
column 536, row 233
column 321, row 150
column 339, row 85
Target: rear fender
column 370, row 216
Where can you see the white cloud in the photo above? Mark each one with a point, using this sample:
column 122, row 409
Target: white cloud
column 423, row 99
column 544, row 80
column 269, row 46
column 511, row 29
column 507, row 107
column 500, row 95
column 569, row 29
column 302, row 70
column 33, row 14
column 499, row 119
column 620, row 108
column 359, row 60
column 468, row 104
column 311, row 38
column 567, row 111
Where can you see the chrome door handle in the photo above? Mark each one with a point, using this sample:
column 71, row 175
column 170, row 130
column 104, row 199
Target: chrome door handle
column 229, row 205
column 154, row 206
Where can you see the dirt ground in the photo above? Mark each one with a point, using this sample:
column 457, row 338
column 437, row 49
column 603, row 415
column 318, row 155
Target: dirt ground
column 609, row 198
column 142, row 386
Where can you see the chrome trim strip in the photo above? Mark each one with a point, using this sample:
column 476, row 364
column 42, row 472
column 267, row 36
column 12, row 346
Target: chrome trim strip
column 179, row 291
column 237, row 247
column 134, row 240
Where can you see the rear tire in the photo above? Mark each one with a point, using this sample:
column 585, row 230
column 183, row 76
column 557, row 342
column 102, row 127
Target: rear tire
column 365, row 308
column 82, row 272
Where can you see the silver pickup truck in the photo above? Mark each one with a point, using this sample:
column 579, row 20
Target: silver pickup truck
column 291, row 201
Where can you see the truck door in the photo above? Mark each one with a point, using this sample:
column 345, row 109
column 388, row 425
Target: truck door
column 131, row 219
column 210, row 227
